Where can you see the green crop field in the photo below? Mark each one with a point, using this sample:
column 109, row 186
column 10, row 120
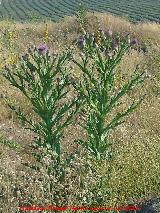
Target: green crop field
column 23, row 10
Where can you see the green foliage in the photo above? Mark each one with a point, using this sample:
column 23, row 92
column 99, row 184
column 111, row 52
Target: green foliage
column 43, row 79
column 44, row 82
column 100, row 56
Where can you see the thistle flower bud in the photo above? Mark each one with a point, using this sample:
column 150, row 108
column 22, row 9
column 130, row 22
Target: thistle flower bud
column 29, row 50
column 115, row 46
column 42, row 49
column 81, row 41
column 134, row 41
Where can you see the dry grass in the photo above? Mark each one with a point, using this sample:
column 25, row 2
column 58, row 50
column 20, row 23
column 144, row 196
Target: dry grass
column 136, row 144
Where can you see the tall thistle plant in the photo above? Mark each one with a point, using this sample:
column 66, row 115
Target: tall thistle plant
column 99, row 57
column 43, row 80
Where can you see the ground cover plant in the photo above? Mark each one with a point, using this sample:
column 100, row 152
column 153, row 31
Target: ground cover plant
column 96, row 167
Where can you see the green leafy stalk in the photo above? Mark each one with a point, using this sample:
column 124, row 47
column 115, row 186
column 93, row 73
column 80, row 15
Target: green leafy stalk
column 44, row 82
column 99, row 59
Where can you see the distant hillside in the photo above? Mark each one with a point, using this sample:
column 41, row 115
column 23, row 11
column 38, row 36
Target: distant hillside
column 26, row 10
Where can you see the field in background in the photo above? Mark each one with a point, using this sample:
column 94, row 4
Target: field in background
column 24, row 10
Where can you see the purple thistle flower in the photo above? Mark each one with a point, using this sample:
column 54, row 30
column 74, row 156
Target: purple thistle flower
column 134, row 41
column 81, row 41
column 115, row 46
column 42, row 49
